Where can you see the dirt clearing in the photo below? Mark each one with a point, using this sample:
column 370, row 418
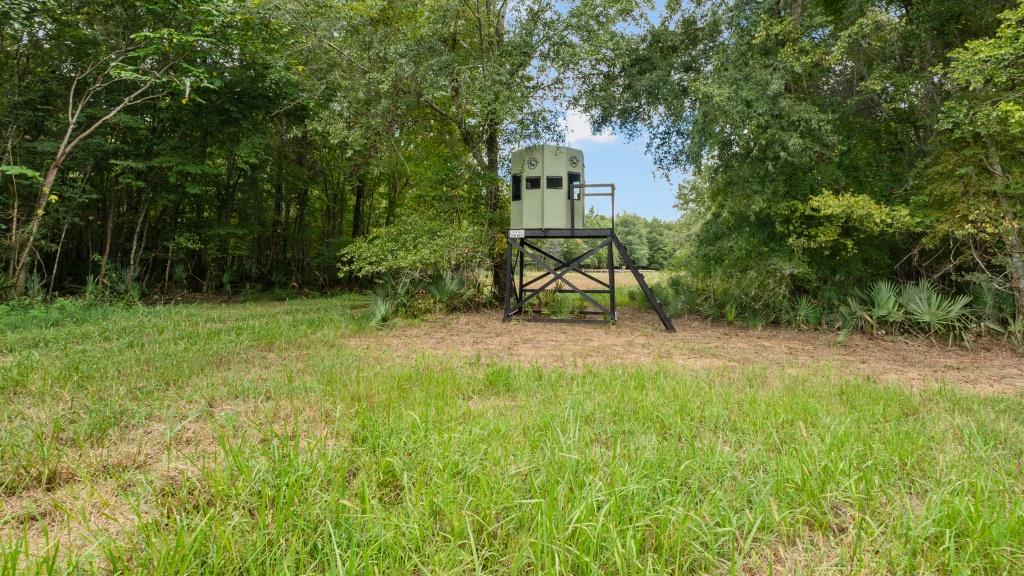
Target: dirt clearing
column 638, row 338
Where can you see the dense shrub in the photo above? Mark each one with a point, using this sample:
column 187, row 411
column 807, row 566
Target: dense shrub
column 438, row 291
column 416, row 248
column 885, row 307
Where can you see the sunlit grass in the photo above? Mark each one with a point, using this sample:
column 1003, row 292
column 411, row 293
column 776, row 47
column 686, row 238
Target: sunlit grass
column 263, row 438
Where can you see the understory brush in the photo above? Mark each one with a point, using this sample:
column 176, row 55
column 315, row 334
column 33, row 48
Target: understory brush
column 885, row 307
column 25, row 312
column 415, row 294
column 557, row 304
column 744, row 299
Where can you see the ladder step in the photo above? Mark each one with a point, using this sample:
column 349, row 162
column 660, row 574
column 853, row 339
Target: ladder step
column 666, row 321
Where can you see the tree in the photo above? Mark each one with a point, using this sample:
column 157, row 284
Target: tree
column 632, row 231
column 982, row 147
column 797, row 120
column 487, row 73
column 108, row 72
column 661, row 245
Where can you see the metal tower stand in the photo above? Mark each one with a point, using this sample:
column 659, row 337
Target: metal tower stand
column 520, row 292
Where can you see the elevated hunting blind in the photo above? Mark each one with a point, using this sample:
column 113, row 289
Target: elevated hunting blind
column 548, row 196
column 546, row 191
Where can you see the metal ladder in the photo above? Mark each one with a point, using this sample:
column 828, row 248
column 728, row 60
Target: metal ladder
column 666, row 321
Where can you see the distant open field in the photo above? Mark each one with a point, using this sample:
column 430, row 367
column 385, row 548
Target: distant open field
column 623, row 278
column 289, row 438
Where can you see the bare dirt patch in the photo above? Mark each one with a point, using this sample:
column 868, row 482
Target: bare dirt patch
column 638, row 338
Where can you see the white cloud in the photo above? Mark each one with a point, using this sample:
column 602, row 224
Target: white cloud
column 578, row 130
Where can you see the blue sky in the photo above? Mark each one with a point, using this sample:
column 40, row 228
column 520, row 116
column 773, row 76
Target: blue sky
column 611, row 158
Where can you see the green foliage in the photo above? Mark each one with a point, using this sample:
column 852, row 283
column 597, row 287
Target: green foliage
column 671, row 301
column 272, row 135
column 34, row 288
column 987, row 74
column 930, row 312
column 558, row 304
column 723, row 297
column 563, row 305
column 391, row 297
column 879, row 311
column 657, row 242
column 22, row 172
column 1014, row 333
column 971, row 184
column 412, row 295
column 632, row 231
column 306, row 144
column 453, row 291
column 805, row 313
column 839, row 226
column 992, row 303
column 829, row 144
column 415, row 247
column 383, row 308
column 917, row 308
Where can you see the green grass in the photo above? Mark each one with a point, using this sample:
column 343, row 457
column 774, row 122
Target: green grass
column 261, row 438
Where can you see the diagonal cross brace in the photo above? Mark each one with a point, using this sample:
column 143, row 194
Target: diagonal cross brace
column 556, row 275
column 562, row 263
column 560, row 273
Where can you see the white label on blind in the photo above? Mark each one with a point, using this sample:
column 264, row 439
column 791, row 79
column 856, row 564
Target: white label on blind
column 517, row 233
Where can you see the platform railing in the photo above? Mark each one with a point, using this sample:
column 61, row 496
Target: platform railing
column 583, row 196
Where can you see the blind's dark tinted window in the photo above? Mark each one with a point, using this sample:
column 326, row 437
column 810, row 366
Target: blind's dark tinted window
column 574, row 191
column 517, row 187
column 533, row 182
column 554, row 183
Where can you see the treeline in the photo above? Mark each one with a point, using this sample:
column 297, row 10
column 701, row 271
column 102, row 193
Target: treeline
column 214, row 145
column 652, row 242
column 832, row 144
column 160, row 146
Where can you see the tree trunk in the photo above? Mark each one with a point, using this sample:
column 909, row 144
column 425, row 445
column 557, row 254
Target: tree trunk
column 368, row 203
column 14, row 231
column 393, row 193
column 328, row 229
column 14, row 227
column 136, row 251
column 1011, row 235
column 167, row 268
column 357, row 209
column 20, row 270
column 67, row 145
column 1015, row 265
column 56, row 258
column 299, row 240
column 276, row 224
column 108, row 237
column 495, row 215
column 342, row 188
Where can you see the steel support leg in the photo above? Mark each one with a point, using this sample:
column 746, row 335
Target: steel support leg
column 509, row 278
column 611, row 281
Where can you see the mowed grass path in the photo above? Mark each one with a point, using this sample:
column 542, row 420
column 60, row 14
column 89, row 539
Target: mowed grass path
column 260, row 438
